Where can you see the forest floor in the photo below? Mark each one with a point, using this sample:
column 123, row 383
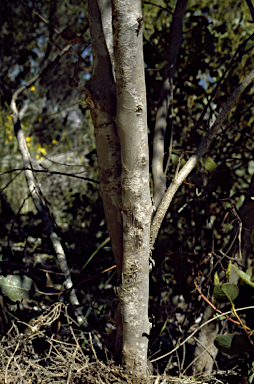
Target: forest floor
column 51, row 350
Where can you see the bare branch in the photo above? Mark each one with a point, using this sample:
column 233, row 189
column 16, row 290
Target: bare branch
column 39, row 75
column 45, row 170
column 158, row 6
column 196, row 331
column 35, row 192
column 195, row 158
column 251, row 8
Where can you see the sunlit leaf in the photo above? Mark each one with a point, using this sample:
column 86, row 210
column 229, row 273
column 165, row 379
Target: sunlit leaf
column 246, row 277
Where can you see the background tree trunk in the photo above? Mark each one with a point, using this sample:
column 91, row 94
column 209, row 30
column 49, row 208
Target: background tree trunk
column 101, row 97
column 162, row 115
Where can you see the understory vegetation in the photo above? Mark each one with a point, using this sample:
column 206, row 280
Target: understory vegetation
column 201, row 265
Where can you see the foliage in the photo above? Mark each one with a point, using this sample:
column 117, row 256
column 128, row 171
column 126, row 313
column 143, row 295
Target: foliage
column 210, row 65
column 216, row 53
column 235, row 343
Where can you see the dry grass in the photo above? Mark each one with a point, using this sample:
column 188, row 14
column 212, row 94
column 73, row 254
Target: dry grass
column 61, row 359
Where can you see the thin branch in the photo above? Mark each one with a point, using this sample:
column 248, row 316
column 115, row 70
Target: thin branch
column 51, row 173
column 39, row 75
column 218, row 310
column 197, row 330
column 195, row 158
column 205, row 350
column 251, row 8
column 35, row 191
column 158, row 6
column 235, row 57
column 172, row 131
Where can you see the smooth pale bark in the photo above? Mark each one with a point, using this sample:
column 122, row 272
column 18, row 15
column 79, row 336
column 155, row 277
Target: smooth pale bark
column 120, row 121
column 101, row 97
column 131, row 120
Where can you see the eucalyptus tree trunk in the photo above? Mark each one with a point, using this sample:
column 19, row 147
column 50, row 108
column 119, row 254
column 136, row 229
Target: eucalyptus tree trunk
column 117, row 99
column 131, row 119
column 116, row 95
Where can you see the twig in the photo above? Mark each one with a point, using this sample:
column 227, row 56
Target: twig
column 36, row 193
column 73, row 334
column 195, row 158
column 197, row 330
column 218, row 310
column 91, row 343
column 178, row 166
column 36, row 77
column 249, row 3
column 159, row 6
column 8, row 363
column 51, row 173
column 94, row 276
column 206, row 349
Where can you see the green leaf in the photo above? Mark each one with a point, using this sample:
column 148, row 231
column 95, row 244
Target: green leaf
column 219, row 295
column 95, row 252
column 230, row 290
column 222, row 317
column 246, row 277
column 233, row 344
column 16, row 287
column 250, row 272
column 210, row 164
column 164, row 325
column 216, row 278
